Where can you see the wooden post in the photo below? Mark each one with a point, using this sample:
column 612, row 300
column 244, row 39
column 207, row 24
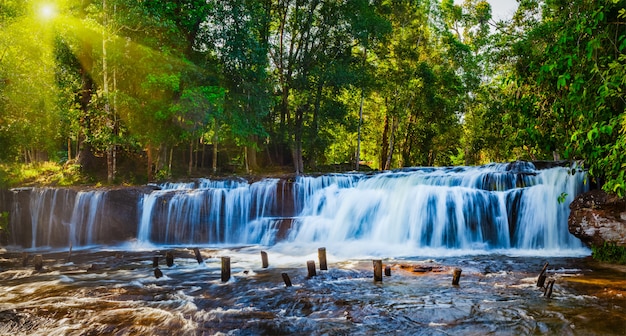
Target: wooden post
column 548, row 292
column 310, row 265
column 321, row 253
column 25, row 259
column 196, row 251
column 456, row 276
column 387, row 270
column 157, row 273
column 155, row 261
column 38, row 262
column 286, row 279
column 225, row 269
column 169, row 258
column 378, row 270
column 264, row 261
column 542, row 276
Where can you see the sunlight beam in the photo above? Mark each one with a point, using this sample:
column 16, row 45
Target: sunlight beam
column 47, row 11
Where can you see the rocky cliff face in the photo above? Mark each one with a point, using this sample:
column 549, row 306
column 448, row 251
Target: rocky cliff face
column 597, row 217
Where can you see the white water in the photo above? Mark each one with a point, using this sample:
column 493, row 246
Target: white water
column 447, row 210
column 206, row 212
column 496, row 208
column 59, row 217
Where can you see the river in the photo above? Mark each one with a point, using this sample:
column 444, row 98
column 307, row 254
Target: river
column 500, row 224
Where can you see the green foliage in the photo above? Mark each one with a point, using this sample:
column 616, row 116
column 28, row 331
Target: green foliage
column 40, row 174
column 568, row 87
column 609, row 252
column 440, row 83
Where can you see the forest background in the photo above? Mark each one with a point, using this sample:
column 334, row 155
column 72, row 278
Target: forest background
column 121, row 91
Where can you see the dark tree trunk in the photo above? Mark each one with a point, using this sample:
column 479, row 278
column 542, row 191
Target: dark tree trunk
column 385, row 144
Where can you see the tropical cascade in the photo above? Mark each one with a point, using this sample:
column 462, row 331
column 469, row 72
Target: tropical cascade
column 491, row 207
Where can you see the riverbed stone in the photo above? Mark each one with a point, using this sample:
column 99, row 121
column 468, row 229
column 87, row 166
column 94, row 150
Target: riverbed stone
column 597, row 217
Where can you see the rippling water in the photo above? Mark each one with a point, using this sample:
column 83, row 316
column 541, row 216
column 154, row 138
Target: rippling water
column 114, row 291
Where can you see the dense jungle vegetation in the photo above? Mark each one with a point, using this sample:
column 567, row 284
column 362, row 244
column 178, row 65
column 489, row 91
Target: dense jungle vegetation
column 140, row 90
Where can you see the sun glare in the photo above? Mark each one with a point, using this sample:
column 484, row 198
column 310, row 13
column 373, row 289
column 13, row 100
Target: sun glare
column 47, row 11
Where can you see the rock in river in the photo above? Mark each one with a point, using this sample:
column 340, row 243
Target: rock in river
column 597, row 217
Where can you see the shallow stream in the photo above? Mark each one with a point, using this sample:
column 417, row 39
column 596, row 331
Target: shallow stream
column 114, row 291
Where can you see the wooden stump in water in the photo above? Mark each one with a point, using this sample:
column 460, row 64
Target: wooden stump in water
column 548, row 292
column 155, row 261
column 321, row 253
column 225, row 269
column 286, row 279
column 38, row 262
column 169, row 258
column 456, row 276
column 387, row 270
column 310, row 265
column 25, row 259
column 264, row 261
column 542, row 276
column 157, row 273
column 196, row 251
column 378, row 270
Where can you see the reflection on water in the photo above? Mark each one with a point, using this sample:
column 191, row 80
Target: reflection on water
column 116, row 292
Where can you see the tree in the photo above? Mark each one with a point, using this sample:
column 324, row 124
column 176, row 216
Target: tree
column 238, row 32
column 570, row 74
column 28, row 94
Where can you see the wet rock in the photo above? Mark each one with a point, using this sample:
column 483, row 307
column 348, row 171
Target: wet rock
column 121, row 207
column 597, row 217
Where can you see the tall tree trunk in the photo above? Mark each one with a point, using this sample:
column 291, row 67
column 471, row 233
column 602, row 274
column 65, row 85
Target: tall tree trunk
column 69, row 149
column 215, row 140
column 245, row 159
column 115, row 123
column 392, row 132
column 169, row 161
column 196, row 153
column 150, row 170
column 251, row 153
column 314, row 129
column 84, row 156
column 358, row 137
column 297, row 144
column 203, row 151
column 385, row 144
column 358, row 140
column 105, row 88
column 190, row 157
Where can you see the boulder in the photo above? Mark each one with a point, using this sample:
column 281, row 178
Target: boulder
column 597, row 217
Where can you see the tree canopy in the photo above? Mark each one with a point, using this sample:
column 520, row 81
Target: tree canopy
column 171, row 88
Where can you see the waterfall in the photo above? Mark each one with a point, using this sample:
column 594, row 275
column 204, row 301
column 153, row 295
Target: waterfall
column 207, row 212
column 86, row 224
column 52, row 225
column 48, row 221
column 495, row 207
column 491, row 207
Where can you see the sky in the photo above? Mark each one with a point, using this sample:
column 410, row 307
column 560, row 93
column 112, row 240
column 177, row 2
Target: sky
column 500, row 9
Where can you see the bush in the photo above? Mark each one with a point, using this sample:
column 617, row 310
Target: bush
column 609, row 252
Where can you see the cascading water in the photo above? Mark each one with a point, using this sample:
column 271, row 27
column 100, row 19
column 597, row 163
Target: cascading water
column 415, row 211
column 53, row 225
column 206, row 212
column 492, row 207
